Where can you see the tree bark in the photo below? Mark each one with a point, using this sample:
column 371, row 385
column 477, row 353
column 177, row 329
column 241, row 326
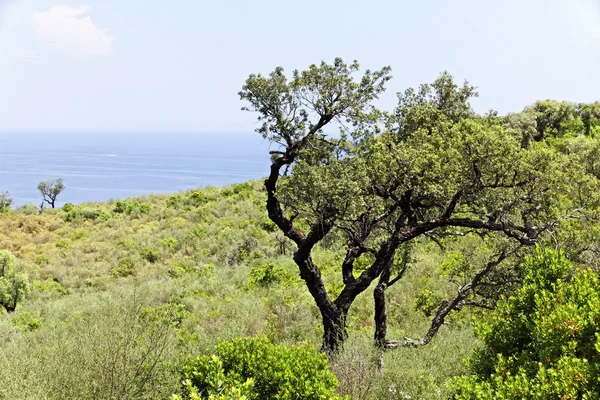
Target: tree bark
column 380, row 308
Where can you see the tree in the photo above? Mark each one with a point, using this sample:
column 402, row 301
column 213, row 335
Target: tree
column 431, row 168
column 6, row 201
column 543, row 342
column 50, row 190
column 14, row 286
column 552, row 117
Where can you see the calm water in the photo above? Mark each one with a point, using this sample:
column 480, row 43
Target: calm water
column 99, row 167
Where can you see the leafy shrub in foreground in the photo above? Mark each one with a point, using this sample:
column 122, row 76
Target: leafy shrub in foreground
column 14, row 287
column 253, row 368
column 543, row 342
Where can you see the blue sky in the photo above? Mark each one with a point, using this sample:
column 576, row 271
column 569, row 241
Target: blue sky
column 147, row 65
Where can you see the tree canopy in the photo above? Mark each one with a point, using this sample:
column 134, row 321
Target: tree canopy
column 429, row 169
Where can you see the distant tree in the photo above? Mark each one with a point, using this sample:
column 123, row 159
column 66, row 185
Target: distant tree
column 6, row 201
column 50, row 190
column 552, row 117
column 14, row 286
column 431, row 168
column 590, row 117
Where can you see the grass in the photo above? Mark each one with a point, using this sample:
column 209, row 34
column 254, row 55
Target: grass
column 159, row 278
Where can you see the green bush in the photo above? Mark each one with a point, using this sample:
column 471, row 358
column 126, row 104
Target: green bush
column 68, row 207
column 257, row 369
column 150, row 255
column 266, row 274
column 131, row 207
column 125, row 268
column 14, row 287
column 28, row 209
column 543, row 342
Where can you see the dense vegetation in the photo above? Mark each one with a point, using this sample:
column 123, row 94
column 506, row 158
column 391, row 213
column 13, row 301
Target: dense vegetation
column 420, row 220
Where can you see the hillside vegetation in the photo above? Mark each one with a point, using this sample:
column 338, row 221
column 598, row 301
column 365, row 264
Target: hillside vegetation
column 119, row 286
column 424, row 253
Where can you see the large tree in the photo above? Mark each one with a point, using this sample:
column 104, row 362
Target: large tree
column 432, row 167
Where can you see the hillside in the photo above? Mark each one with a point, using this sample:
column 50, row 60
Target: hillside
column 212, row 262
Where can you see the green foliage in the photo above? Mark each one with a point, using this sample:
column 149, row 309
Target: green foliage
column 49, row 285
column 169, row 242
column 427, row 302
column 42, row 260
column 125, row 268
column 6, row 201
column 131, row 207
column 216, row 385
column 543, row 342
column 14, row 286
column 26, row 322
column 51, row 189
column 68, row 207
column 28, row 209
column 150, row 255
column 261, row 370
column 86, row 213
column 63, row 244
column 267, row 274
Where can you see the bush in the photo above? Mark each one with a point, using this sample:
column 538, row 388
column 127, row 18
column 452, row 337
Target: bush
column 125, row 268
column 543, row 342
column 266, row 274
column 257, row 369
column 28, row 209
column 150, row 255
column 68, row 207
column 131, row 207
column 14, row 287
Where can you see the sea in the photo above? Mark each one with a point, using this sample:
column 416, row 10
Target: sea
column 101, row 166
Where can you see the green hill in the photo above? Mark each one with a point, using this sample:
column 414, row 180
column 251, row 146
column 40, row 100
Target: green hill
column 123, row 291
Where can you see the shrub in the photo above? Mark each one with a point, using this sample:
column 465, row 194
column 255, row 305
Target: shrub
column 28, row 209
column 150, row 255
column 125, row 268
column 266, row 274
column 42, row 260
column 543, row 342
column 68, row 207
column 258, row 369
column 169, row 242
column 14, row 287
column 26, row 322
column 63, row 244
column 131, row 207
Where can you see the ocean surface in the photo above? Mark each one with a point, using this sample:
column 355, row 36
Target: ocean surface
column 99, row 167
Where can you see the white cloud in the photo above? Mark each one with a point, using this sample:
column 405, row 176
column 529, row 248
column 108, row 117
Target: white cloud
column 70, row 30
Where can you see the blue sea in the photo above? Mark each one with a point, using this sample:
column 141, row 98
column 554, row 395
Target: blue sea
column 99, row 167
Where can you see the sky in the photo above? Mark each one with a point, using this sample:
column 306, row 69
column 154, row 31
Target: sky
column 149, row 65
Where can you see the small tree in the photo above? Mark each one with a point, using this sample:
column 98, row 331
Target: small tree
column 14, row 287
column 543, row 342
column 50, row 190
column 6, row 201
